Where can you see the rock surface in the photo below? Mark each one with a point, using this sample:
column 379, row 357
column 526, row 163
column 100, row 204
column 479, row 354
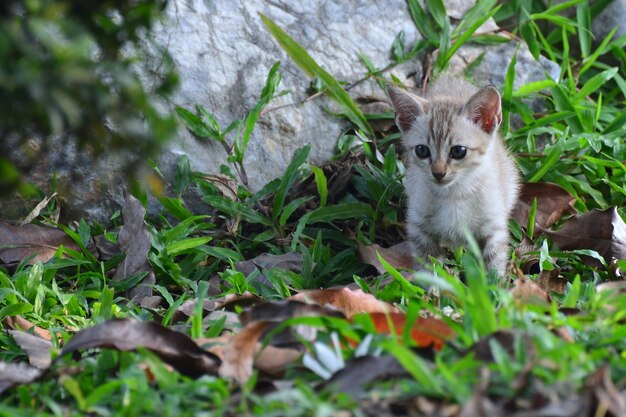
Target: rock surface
column 223, row 53
column 614, row 16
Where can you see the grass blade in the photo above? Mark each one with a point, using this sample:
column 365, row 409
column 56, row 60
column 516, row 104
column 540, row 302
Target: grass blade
column 290, row 176
column 334, row 90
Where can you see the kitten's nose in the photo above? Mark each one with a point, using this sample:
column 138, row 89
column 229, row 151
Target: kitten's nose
column 439, row 175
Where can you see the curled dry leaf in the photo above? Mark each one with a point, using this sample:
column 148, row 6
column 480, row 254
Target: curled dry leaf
column 240, row 351
column 552, row 281
column 21, row 242
column 553, row 202
column 348, row 301
column 226, row 185
column 228, row 302
column 175, row 348
column 20, row 323
column 37, row 349
column 528, row 292
column 134, row 239
column 399, row 256
column 13, row 374
column 506, row 339
column 358, row 372
column 603, row 231
column 291, row 261
column 426, row 332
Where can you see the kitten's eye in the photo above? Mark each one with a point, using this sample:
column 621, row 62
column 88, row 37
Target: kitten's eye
column 458, row 152
column 422, row 151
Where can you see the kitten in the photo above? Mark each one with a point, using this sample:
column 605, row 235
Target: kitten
column 459, row 174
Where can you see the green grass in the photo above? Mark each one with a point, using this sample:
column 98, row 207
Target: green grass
column 505, row 346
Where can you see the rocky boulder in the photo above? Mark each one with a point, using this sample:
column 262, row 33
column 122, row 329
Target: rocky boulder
column 223, row 53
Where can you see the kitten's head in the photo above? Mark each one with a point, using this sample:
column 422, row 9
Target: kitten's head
column 446, row 138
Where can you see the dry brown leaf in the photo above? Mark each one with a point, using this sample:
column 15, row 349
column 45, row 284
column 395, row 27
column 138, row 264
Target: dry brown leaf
column 224, row 183
column 37, row 349
column 603, row 231
column 134, row 239
column 426, row 332
column 173, row 347
column 399, row 256
column 349, row 302
column 358, row 372
column 553, row 202
column 528, row 292
column 35, row 212
column 240, row 350
column 21, row 242
column 274, row 360
column 20, row 323
column 552, row 281
column 228, row 302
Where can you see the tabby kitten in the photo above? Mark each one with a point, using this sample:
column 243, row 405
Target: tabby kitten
column 459, row 175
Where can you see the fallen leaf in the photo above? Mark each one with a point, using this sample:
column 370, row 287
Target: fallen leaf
column 20, row 323
column 603, row 231
column 482, row 349
column 274, row 360
column 353, row 378
column 528, row 292
column 37, row 210
column 348, row 301
column 175, row 348
column 426, row 331
column 553, row 202
column 21, row 242
column 224, row 183
column 399, row 256
column 37, row 349
column 291, row 261
column 228, row 302
column 278, row 311
column 105, row 248
column 552, row 281
column 240, row 350
column 134, row 240
column 13, row 374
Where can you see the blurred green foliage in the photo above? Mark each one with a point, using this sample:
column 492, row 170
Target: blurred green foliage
column 68, row 69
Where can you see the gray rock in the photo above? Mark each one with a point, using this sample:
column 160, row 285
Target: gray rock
column 613, row 16
column 223, row 53
column 495, row 62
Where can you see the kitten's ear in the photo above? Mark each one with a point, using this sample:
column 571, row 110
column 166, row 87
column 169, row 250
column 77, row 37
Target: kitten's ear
column 484, row 109
column 407, row 106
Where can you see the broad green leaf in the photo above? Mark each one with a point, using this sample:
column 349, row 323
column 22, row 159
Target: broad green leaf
column 183, row 245
column 423, row 22
column 476, row 12
column 596, row 82
column 438, row 11
column 528, row 33
column 583, row 17
column 509, row 82
column 321, row 184
column 271, row 82
column 533, row 87
column 290, row 208
column 341, row 212
column 550, row 161
column 464, row 37
column 288, row 178
column 195, row 124
column 335, row 91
